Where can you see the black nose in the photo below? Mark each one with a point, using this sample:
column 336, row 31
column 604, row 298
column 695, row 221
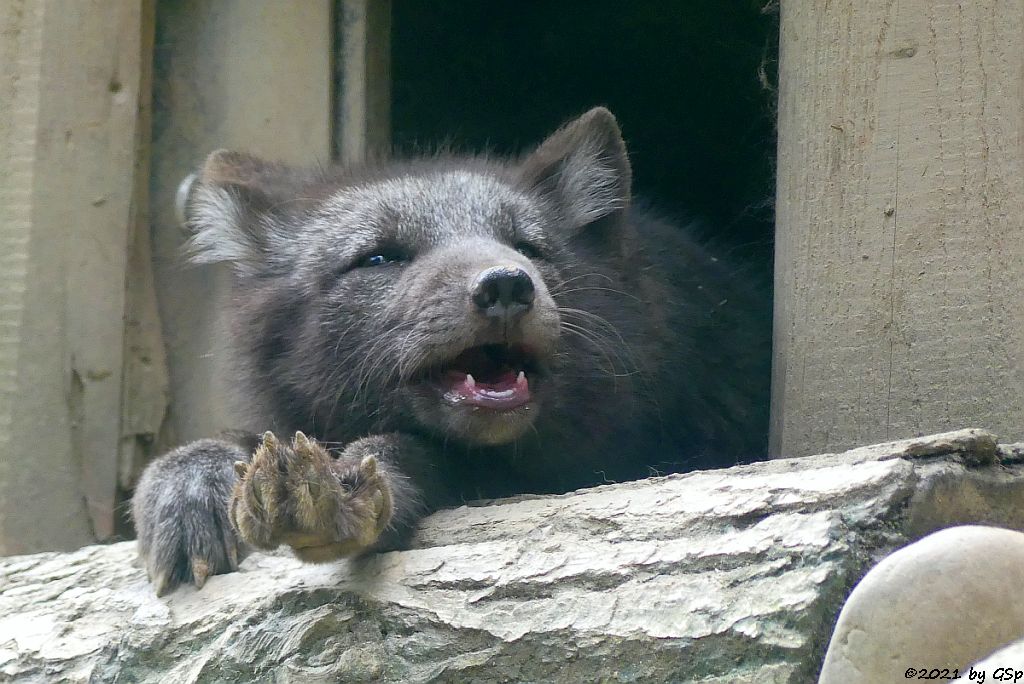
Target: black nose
column 504, row 291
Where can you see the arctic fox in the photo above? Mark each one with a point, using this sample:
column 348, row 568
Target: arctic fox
column 412, row 334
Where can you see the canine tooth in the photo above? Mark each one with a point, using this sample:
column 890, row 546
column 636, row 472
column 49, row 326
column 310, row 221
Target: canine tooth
column 470, row 382
column 521, row 378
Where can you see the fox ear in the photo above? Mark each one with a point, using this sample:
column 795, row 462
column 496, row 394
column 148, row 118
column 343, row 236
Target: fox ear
column 234, row 206
column 584, row 168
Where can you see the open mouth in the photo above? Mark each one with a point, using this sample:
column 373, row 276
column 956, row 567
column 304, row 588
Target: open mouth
column 491, row 376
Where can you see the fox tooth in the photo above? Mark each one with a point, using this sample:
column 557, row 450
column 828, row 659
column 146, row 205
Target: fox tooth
column 470, row 382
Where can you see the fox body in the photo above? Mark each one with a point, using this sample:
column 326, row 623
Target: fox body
column 443, row 329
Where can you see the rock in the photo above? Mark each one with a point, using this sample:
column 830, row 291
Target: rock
column 721, row 576
column 938, row 604
column 1005, row 665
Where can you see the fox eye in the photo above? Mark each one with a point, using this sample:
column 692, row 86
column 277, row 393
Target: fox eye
column 527, row 250
column 381, row 259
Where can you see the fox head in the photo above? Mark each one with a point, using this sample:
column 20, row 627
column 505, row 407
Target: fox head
column 456, row 296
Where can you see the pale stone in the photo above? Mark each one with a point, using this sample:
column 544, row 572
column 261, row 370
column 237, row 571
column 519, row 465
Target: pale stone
column 940, row 603
column 1005, row 665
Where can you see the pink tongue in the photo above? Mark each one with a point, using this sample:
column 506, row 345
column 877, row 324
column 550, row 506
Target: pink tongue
column 508, row 392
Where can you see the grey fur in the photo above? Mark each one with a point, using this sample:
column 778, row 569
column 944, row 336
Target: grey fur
column 645, row 354
column 180, row 512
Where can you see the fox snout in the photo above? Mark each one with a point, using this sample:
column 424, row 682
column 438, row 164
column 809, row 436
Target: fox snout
column 503, row 292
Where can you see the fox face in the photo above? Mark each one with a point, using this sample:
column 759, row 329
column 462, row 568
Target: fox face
column 456, row 297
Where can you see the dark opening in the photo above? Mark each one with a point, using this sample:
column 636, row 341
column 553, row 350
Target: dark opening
column 690, row 83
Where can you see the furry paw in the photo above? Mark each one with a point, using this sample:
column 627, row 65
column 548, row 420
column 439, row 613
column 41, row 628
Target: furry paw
column 180, row 513
column 297, row 494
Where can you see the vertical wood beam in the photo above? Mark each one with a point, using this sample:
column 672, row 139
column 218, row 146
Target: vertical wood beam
column 71, row 84
column 900, row 224
column 363, row 72
column 252, row 75
column 144, row 398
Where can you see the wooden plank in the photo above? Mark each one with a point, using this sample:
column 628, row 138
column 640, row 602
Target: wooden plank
column 363, row 72
column 899, row 251
column 144, row 400
column 252, row 75
column 72, row 73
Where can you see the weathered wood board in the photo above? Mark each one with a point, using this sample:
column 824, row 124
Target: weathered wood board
column 900, row 225
column 363, row 80
column 72, row 77
column 252, row 75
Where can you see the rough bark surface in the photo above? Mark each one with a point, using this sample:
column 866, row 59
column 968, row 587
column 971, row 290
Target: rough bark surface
column 734, row 575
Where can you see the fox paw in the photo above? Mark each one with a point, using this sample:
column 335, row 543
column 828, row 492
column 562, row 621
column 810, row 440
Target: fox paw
column 297, row 494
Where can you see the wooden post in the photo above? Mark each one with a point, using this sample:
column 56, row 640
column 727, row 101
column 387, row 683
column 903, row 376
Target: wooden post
column 363, row 71
column 252, row 75
column 900, row 248
column 72, row 81
column 144, row 400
